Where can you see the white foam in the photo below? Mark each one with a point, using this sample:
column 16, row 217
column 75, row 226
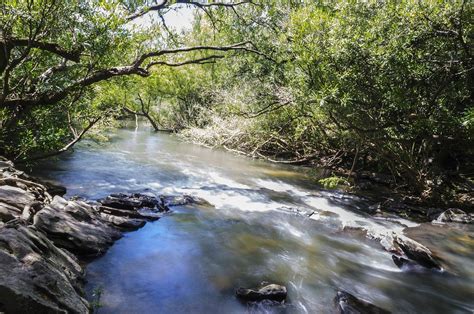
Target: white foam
column 380, row 229
column 280, row 186
column 232, row 200
column 375, row 229
column 217, row 178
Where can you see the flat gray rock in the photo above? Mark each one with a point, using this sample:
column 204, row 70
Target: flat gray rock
column 75, row 226
column 36, row 276
column 15, row 196
column 124, row 223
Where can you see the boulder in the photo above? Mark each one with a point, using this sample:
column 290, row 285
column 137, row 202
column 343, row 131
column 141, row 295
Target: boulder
column 417, row 252
column 271, row 292
column 16, row 197
column 123, row 223
column 121, row 201
column 455, row 215
column 8, row 212
column 346, row 303
column 133, row 202
column 36, row 276
column 75, row 226
column 135, row 214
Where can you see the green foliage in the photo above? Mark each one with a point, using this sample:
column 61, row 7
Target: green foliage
column 384, row 86
column 391, row 80
column 332, row 182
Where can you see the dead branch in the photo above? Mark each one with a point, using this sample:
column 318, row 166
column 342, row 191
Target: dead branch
column 70, row 144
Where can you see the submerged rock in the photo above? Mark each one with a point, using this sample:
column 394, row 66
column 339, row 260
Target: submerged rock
column 417, row 252
column 271, row 292
column 405, row 264
column 455, row 215
column 36, row 276
column 346, row 303
column 183, row 200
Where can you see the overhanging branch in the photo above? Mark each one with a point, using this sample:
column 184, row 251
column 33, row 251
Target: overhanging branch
column 177, row 64
column 165, row 4
column 72, row 55
column 135, row 68
column 68, row 146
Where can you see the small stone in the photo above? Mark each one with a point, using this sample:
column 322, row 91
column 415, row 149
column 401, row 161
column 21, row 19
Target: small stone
column 346, row 303
column 455, row 215
column 417, row 252
column 272, row 292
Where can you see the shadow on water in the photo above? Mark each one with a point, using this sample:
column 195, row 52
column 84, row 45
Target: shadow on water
column 193, row 259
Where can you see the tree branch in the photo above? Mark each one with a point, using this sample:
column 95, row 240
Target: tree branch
column 146, row 10
column 177, row 64
column 70, row 144
column 136, row 68
column 72, row 55
column 167, row 3
column 237, row 46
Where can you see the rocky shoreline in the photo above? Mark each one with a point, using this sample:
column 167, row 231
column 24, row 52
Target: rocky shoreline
column 44, row 238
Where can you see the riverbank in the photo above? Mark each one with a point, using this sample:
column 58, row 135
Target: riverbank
column 387, row 195
column 46, row 239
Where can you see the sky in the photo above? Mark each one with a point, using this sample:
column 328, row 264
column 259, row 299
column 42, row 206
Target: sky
column 179, row 19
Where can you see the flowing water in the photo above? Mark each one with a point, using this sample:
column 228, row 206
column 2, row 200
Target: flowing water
column 191, row 260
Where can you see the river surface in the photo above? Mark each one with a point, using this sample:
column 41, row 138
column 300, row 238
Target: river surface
column 193, row 259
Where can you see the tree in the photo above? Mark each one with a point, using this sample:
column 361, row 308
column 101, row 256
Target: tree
column 53, row 53
column 380, row 86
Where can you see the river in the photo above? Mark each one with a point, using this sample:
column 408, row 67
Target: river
column 193, row 259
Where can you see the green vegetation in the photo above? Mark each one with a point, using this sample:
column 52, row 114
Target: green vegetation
column 96, row 296
column 380, row 86
column 332, row 182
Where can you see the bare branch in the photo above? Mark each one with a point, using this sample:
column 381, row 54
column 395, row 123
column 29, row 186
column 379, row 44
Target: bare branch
column 70, row 144
column 269, row 108
column 243, row 46
column 213, row 4
column 167, row 3
column 177, row 64
column 146, row 10
column 146, row 113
